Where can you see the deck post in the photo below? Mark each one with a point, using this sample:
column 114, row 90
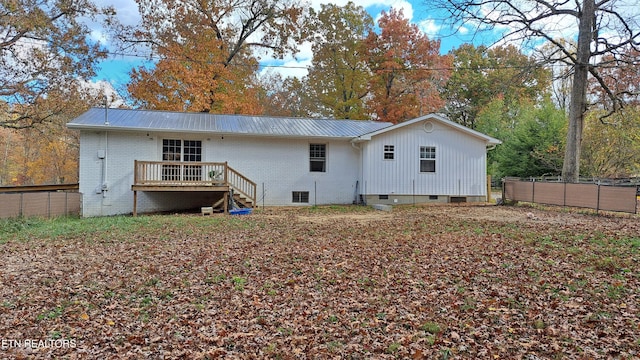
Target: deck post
column 135, row 203
column 226, row 202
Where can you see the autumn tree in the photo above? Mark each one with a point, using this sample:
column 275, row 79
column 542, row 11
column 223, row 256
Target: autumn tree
column 604, row 28
column 44, row 52
column 284, row 96
column 407, row 67
column 611, row 149
column 482, row 74
column 208, row 50
column 47, row 153
column 339, row 75
column 622, row 79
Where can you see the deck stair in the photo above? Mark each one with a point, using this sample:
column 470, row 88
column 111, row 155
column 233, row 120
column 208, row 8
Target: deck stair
column 195, row 177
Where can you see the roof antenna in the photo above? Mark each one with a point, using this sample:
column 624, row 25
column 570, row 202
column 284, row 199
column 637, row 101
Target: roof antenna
column 106, row 109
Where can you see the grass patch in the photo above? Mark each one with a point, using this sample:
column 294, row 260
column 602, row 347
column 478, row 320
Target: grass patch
column 25, row 229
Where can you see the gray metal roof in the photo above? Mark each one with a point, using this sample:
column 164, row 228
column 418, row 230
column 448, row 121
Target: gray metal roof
column 148, row 120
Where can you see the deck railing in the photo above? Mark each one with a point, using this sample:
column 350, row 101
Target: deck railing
column 178, row 173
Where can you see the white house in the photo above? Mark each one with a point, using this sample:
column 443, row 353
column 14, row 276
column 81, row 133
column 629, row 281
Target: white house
column 146, row 161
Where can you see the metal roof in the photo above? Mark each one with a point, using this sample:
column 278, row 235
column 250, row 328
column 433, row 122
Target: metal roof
column 151, row 120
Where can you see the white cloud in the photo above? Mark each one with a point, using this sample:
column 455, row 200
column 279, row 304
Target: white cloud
column 103, row 88
column 430, row 27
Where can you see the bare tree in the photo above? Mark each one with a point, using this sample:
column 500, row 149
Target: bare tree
column 604, row 28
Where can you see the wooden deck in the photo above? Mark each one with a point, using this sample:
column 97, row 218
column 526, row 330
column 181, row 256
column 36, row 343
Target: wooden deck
column 193, row 177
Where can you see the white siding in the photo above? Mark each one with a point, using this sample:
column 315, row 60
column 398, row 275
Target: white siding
column 282, row 166
column 279, row 166
column 121, row 149
column 460, row 162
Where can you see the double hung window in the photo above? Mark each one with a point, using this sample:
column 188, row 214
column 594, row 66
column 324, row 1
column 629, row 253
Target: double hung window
column 427, row 159
column 318, row 157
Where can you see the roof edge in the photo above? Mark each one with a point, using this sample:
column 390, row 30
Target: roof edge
column 441, row 118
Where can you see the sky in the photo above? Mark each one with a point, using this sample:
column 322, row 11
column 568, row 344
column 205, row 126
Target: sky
column 115, row 70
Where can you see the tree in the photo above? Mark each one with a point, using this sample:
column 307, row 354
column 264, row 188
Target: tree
column 621, row 77
column 284, row 96
column 44, row 52
column 482, row 74
column 207, row 51
column 532, row 134
column 339, row 74
column 408, row 70
column 46, row 153
column 612, row 149
column 603, row 29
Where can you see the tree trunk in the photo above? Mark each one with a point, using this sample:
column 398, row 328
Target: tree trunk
column 578, row 106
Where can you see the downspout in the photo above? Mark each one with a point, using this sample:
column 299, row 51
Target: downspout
column 360, row 172
column 105, row 185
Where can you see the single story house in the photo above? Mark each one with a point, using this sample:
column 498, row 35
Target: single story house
column 147, row 161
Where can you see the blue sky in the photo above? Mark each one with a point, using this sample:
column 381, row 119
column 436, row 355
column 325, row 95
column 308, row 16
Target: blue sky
column 115, row 70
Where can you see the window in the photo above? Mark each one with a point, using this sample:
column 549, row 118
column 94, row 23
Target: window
column 179, row 150
column 317, row 157
column 192, row 150
column 300, row 197
column 383, row 197
column 427, row 159
column 389, row 152
column 171, row 150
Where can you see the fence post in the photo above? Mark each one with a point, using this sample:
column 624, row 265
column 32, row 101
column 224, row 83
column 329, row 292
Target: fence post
column 533, row 190
column 598, row 200
column 488, row 188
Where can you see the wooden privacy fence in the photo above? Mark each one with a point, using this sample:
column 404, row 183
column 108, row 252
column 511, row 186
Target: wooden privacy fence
column 17, row 201
column 594, row 196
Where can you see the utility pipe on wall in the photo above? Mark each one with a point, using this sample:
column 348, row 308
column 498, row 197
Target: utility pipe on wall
column 104, row 185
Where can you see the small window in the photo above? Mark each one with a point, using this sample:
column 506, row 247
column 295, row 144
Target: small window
column 383, row 197
column 427, row 159
column 317, row 157
column 433, row 197
column 300, row 197
column 389, row 152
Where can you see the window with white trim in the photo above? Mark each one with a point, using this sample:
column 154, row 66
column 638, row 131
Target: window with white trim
column 317, row 157
column 389, row 152
column 427, row 159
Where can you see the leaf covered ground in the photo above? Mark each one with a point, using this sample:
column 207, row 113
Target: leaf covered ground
column 432, row 282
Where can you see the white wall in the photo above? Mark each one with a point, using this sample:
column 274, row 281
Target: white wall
column 280, row 166
column 121, row 149
column 460, row 162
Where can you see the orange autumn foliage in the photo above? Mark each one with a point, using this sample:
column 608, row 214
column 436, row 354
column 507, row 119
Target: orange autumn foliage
column 409, row 71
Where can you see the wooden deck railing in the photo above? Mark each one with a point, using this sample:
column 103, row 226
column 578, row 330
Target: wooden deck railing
column 178, row 173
